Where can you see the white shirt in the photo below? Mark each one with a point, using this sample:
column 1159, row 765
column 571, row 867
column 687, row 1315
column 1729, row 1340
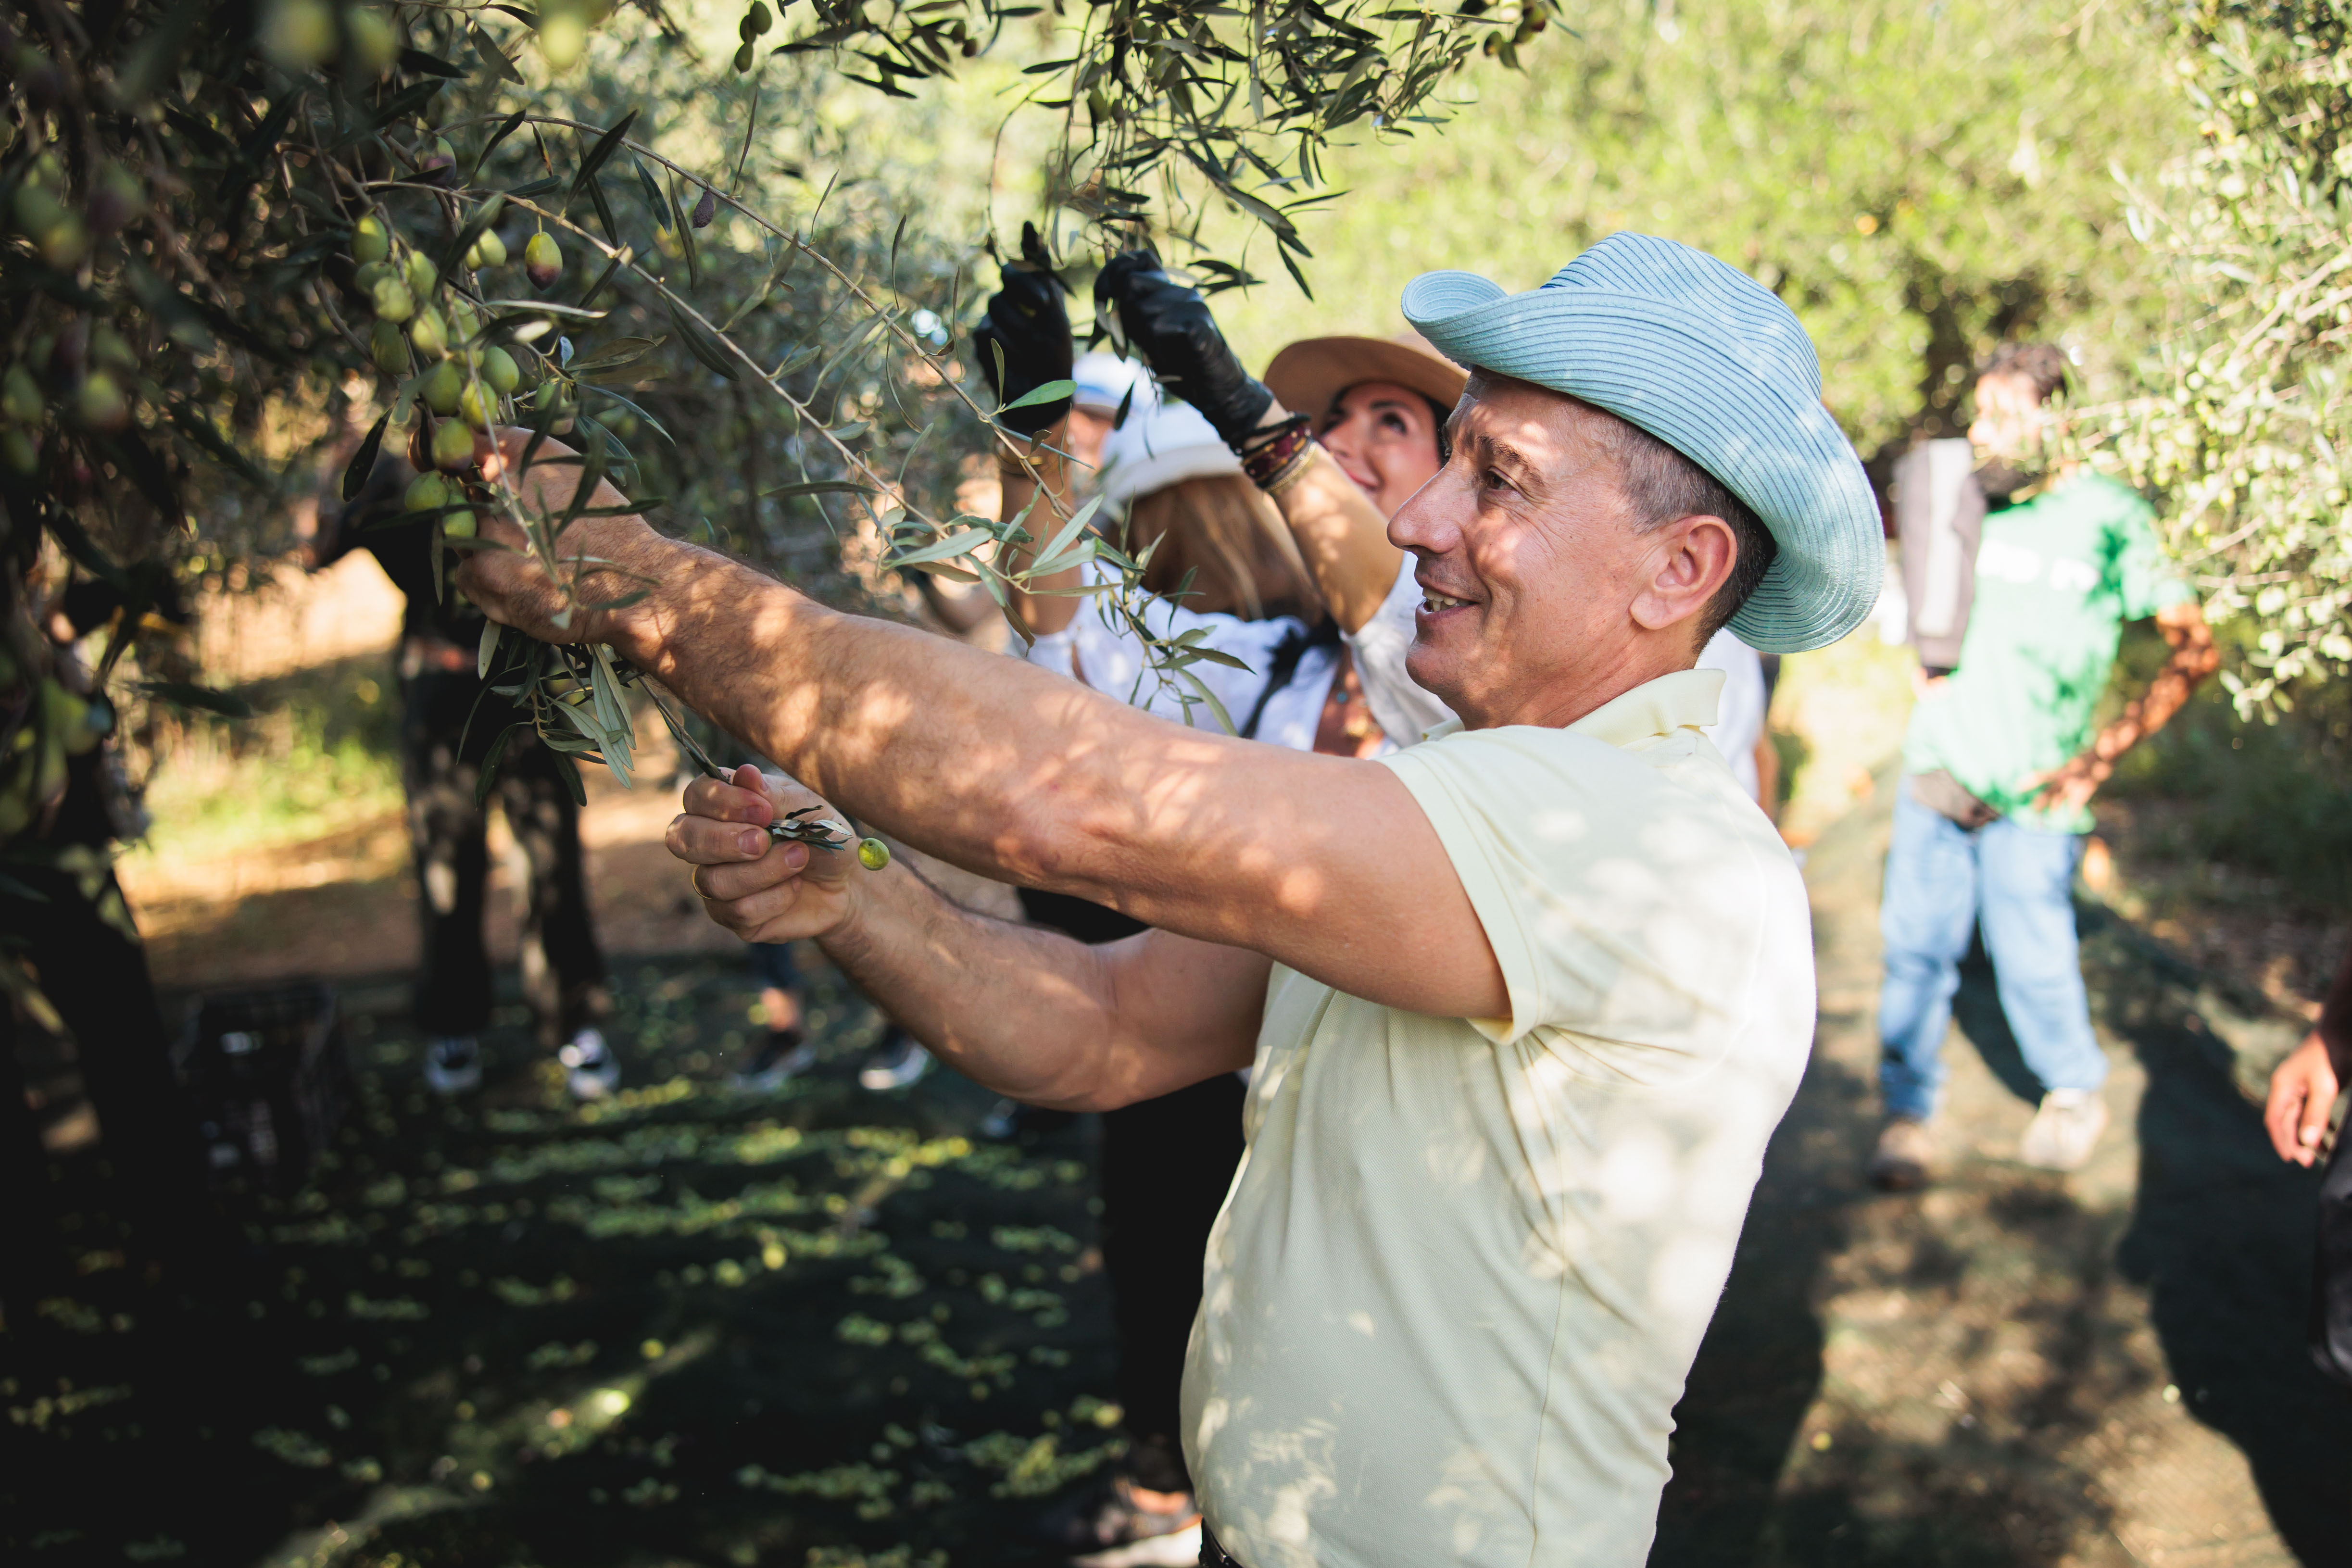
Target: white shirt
column 1454, row 1293
column 1739, row 723
column 1101, row 650
column 1403, row 709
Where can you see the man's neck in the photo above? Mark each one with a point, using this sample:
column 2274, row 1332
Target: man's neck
column 1589, row 687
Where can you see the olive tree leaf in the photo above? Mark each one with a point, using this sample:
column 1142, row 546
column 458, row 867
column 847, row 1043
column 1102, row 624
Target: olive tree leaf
column 362, row 462
column 701, row 345
column 1048, row 392
column 607, row 145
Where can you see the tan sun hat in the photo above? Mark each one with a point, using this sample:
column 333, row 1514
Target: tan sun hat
column 1309, row 375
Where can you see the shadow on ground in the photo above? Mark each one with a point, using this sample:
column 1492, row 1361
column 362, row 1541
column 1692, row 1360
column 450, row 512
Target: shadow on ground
column 1979, row 1374
column 827, row 1329
column 812, row 1326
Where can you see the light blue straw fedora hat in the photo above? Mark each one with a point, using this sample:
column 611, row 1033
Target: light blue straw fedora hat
column 1709, row 362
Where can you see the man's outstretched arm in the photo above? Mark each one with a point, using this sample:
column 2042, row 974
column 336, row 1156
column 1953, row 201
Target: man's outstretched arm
column 2193, row 658
column 1325, row 864
column 1029, row 1013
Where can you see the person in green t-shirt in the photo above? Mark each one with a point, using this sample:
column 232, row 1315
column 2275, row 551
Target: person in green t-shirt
column 2000, row 767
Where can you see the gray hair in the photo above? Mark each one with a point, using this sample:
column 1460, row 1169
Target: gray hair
column 1664, row 486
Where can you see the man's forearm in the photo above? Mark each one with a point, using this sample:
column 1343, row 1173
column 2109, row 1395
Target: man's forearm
column 992, row 765
column 1039, row 1016
column 2193, row 658
column 1015, row 1009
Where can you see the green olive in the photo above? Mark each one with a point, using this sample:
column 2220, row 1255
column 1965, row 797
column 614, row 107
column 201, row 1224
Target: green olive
column 443, row 387
column 426, row 493
column 873, row 854
column 371, row 241
column 393, row 302
column 453, row 447
column 542, row 260
column 389, row 348
column 498, row 369
column 428, row 334
column 478, row 405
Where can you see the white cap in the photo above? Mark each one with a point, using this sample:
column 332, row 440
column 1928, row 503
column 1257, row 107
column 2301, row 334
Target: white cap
column 1105, row 380
column 1160, row 447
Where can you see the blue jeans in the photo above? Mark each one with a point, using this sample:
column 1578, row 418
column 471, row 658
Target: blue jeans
column 1942, row 880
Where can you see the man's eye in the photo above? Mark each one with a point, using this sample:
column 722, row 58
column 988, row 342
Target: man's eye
column 1493, row 480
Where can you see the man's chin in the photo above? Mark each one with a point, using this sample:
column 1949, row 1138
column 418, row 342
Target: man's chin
column 1432, row 669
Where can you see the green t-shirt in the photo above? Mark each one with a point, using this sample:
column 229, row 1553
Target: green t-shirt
column 2057, row 577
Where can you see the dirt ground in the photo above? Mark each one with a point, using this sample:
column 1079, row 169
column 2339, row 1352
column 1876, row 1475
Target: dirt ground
column 824, row 1328
column 2015, row 1367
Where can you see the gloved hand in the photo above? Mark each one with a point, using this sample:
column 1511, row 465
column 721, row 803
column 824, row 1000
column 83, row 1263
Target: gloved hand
column 1170, row 326
column 1026, row 320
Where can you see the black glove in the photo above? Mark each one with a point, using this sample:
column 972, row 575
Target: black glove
column 1170, row 326
column 1027, row 321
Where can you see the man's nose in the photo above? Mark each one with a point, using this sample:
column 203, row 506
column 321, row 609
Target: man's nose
column 1430, row 522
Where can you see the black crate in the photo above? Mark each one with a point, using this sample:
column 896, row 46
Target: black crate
column 266, row 1071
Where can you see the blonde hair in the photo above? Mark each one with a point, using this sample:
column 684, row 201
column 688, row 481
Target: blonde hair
column 1226, row 533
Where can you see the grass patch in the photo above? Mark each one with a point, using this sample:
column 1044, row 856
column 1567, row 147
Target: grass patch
column 321, row 755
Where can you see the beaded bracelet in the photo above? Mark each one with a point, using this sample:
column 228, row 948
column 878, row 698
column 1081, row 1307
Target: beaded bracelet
column 1279, row 455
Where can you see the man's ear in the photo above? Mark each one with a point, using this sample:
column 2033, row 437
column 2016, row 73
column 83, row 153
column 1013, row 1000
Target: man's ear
column 1689, row 559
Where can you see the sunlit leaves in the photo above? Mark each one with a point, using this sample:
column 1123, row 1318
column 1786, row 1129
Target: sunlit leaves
column 2247, row 429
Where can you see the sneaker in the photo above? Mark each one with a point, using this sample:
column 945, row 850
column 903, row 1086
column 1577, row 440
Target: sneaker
column 781, row 1058
column 897, row 1062
column 591, row 1070
column 453, row 1064
column 1115, row 1525
column 1906, row 1150
column 2064, row 1130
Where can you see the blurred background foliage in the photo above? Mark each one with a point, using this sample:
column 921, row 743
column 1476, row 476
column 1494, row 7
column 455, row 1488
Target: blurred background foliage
column 1918, row 180
column 2243, row 410
column 210, row 199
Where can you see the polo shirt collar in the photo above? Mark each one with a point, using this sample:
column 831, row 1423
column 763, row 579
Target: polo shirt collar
column 1686, row 699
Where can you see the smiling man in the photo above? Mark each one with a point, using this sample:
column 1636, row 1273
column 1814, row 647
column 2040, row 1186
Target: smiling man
column 1524, row 1001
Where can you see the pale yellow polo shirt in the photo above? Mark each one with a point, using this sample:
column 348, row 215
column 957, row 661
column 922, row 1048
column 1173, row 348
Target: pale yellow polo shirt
column 1465, row 1263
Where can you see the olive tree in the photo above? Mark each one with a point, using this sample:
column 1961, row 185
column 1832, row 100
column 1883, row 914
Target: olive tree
column 239, row 229
column 2244, row 417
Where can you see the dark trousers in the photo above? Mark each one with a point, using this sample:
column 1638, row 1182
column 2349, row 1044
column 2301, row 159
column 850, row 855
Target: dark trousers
column 1166, row 1166
column 94, row 970
column 2331, row 1267
column 562, row 970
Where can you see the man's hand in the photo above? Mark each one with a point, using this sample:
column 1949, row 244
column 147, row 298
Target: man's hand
column 1028, row 330
column 608, row 557
column 2070, row 789
column 1171, row 327
column 2302, row 1093
column 763, row 890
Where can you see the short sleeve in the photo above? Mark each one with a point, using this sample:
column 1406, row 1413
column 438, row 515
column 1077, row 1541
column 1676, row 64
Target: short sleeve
column 1405, row 710
column 2148, row 581
column 1621, row 889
